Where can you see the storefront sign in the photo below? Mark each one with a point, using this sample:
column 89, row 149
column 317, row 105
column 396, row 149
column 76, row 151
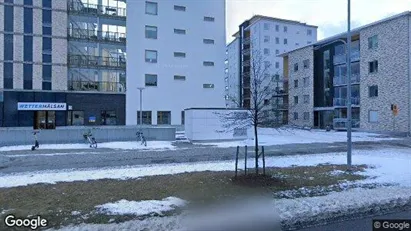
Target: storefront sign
column 40, row 106
column 92, row 119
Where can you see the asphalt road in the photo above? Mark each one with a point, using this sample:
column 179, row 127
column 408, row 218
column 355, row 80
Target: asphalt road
column 362, row 224
column 24, row 161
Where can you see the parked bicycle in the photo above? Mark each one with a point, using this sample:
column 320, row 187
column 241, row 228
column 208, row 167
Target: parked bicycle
column 88, row 137
column 36, row 142
column 141, row 138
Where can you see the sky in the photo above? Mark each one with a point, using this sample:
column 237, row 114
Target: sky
column 329, row 15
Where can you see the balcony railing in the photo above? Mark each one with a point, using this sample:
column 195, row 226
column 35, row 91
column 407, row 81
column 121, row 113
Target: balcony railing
column 96, row 61
column 247, row 40
column 342, row 58
column 343, row 101
column 94, row 9
column 94, row 35
column 246, row 63
column 280, row 106
column 246, row 51
column 100, row 86
column 342, row 80
column 341, row 123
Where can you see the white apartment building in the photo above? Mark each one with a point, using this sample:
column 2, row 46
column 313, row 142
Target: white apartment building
column 268, row 37
column 176, row 52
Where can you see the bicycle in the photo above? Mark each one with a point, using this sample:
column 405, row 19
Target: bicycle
column 88, row 136
column 141, row 138
column 36, row 142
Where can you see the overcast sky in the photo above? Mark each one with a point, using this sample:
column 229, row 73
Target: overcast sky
column 329, row 15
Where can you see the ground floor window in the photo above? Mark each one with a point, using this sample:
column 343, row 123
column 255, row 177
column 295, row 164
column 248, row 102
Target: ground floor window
column 163, row 117
column 44, row 120
column 75, row 118
column 108, row 118
column 147, row 118
column 182, row 118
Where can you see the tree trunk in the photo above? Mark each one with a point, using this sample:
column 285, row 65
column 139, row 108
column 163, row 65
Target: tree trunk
column 256, row 149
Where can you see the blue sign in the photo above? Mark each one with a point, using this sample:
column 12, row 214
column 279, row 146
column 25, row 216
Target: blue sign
column 41, row 106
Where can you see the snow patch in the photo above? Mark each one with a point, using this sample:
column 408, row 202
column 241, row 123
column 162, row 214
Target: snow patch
column 75, row 213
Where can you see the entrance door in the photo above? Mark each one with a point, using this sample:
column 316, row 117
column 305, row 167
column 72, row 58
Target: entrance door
column 44, row 120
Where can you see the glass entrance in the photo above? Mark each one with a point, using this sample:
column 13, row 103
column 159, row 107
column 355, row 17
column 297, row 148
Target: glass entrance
column 44, row 120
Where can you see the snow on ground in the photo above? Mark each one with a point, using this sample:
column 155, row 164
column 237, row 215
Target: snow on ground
column 391, row 166
column 130, row 145
column 269, row 136
column 140, row 208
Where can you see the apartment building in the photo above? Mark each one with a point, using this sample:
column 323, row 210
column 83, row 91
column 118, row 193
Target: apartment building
column 380, row 78
column 265, row 37
column 176, row 54
column 61, row 63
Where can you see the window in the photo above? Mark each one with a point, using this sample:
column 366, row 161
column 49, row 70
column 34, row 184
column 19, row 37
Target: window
column 266, row 26
column 309, row 32
column 8, row 18
column 295, row 67
column 309, row 42
column 295, row 99
column 306, row 98
column 28, row 76
column 75, row 118
column 179, row 54
column 47, row 45
column 208, row 63
column 373, row 116
column 8, row 75
column 209, row 19
column 373, row 91
column 306, row 116
column 277, row 64
column 47, row 3
column 305, row 81
column 46, row 16
column 147, row 117
column 163, row 117
column 150, row 80
column 295, row 115
column 151, row 56
column 277, row 40
column 179, row 77
column 277, row 52
column 266, row 51
column 151, row 32
column 306, row 63
column 208, row 41
column 8, row 47
column 47, row 70
column 179, row 8
column 266, row 39
column 267, row 64
column 373, row 42
column 285, row 41
column 373, row 66
column 28, row 2
column 46, row 85
column 108, row 118
column 47, row 58
column 182, row 117
column 285, row 28
column 151, row 8
column 296, row 83
column 277, row 28
column 266, row 102
column 179, row 31
column 28, row 20
column 46, row 30
column 297, row 44
column 207, row 85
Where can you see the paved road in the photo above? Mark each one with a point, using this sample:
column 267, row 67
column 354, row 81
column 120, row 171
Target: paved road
column 362, row 224
column 23, row 161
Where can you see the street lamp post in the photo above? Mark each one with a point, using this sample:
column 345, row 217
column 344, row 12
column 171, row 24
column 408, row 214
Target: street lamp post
column 141, row 106
column 349, row 112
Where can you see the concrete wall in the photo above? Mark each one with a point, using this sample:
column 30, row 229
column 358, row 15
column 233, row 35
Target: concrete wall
column 207, row 124
column 24, row 136
column 299, row 56
column 392, row 77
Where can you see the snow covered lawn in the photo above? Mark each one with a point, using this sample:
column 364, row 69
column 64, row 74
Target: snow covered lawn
column 390, row 166
column 269, row 136
column 130, row 145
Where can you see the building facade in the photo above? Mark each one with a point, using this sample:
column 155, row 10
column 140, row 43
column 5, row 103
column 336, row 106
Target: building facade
column 380, row 77
column 177, row 55
column 265, row 38
column 61, row 63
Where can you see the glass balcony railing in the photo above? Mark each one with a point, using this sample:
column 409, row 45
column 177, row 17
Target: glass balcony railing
column 343, row 101
column 342, row 58
column 94, row 9
column 96, row 61
column 94, row 35
column 341, row 123
column 101, row 86
column 342, row 80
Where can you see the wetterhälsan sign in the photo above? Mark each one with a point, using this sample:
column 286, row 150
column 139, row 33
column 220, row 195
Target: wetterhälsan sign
column 40, row 106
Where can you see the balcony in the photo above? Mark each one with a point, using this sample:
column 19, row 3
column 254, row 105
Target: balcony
column 246, row 63
column 97, row 62
column 280, row 92
column 342, row 80
column 96, row 36
column 246, row 51
column 94, row 9
column 342, row 102
column 281, row 106
column 99, row 86
column 247, row 40
column 341, row 123
column 342, row 58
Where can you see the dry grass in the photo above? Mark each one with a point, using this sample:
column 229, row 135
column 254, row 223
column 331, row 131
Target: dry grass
column 56, row 202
